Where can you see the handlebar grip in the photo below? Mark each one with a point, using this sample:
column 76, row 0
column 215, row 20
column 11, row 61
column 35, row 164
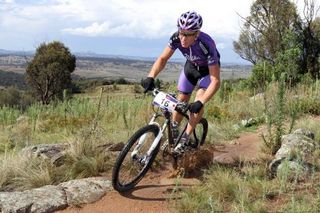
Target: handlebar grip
column 182, row 107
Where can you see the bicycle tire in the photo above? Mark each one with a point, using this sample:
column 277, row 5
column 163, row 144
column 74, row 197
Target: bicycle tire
column 116, row 180
column 199, row 137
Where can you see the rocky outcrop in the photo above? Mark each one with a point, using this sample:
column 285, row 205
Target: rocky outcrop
column 51, row 198
column 295, row 153
column 85, row 190
column 54, row 152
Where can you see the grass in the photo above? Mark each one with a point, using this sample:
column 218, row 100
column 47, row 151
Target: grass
column 227, row 189
column 111, row 115
column 245, row 187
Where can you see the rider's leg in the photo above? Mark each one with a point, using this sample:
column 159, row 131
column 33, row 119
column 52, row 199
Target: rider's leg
column 177, row 117
column 185, row 88
column 195, row 118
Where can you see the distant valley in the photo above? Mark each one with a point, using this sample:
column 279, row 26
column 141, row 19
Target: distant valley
column 115, row 67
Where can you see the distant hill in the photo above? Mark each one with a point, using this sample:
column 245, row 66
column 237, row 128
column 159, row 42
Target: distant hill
column 90, row 65
column 12, row 52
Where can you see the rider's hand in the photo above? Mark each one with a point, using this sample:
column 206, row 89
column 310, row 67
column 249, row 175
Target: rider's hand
column 195, row 107
column 148, row 84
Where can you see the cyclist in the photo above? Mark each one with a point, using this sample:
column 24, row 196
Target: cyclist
column 202, row 67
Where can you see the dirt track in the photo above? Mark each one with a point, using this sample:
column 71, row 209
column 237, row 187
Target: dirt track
column 153, row 192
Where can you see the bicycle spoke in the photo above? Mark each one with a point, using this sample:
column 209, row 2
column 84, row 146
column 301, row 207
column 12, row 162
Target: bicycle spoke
column 133, row 165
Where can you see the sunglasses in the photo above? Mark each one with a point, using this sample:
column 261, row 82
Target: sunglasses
column 187, row 34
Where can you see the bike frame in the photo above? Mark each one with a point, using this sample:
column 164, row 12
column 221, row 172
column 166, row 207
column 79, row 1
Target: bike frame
column 166, row 125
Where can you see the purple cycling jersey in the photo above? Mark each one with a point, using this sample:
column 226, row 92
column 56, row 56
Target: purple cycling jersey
column 202, row 52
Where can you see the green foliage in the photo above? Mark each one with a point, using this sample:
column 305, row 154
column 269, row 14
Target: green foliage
column 285, row 62
column 308, row 105
column 12, row 97
column 82, row 85
column 288, row 61
column 262, row 73
column 11, row 78
column 274, row 33
column 8, row 115
column 275, row 119
column 309, row 37
column 260, row 39
column 158, row 83
column 49, row 72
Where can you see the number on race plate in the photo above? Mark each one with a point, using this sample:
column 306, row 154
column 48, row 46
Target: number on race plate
column 165, row 101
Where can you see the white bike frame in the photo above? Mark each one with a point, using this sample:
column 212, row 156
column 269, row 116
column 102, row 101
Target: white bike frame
column 155, row 142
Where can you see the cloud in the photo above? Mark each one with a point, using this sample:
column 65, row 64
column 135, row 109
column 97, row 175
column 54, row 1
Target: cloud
column 92, row 30
column 125, row 18
column 151, row 19
column 6, row 1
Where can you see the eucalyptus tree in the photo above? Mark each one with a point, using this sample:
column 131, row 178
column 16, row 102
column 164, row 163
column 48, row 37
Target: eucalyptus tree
column 49, row 72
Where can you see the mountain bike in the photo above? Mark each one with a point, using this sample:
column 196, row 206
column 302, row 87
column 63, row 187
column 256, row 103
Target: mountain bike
column 137, row 156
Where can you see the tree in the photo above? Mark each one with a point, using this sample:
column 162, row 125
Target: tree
column 309, row 37
column 261, row 36
column 49, row 72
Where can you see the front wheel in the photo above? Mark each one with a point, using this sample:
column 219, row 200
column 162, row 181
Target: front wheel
column 133, row 161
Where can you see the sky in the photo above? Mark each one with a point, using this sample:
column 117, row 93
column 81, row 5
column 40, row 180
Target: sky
column 138, row 28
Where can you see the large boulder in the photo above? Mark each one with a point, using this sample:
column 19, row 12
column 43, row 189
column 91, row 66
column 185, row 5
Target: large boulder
column 297, row 148
column 52, row 198
column 85, row 190
column 45, row 199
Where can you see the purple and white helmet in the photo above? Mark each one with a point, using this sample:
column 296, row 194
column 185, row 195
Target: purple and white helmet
column 190, row 21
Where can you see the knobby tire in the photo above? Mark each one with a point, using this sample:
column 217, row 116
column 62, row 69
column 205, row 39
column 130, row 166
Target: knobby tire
column 116, row 183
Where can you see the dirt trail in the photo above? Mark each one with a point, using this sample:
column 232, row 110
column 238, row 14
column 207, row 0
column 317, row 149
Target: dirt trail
column 152, row 193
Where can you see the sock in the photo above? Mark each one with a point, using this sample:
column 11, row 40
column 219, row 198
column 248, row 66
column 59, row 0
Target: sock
column 187, row 138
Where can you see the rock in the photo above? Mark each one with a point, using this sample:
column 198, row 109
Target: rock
column 85, row 190
column 45, row 199
column 58, row 159
column 293, row 170
column 296, row 145
column 307, row 133
column 52, row 198
column 296, row 149
column 46, row 151
column 53, row 152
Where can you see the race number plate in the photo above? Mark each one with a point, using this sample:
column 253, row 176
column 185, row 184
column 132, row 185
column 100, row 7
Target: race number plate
column 165, row 101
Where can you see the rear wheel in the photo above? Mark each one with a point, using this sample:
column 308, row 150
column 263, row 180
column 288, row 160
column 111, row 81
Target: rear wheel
column 199, row 133
column 133, row 162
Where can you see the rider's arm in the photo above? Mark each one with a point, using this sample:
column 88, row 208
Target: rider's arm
column 161, row 62
column 214, row 71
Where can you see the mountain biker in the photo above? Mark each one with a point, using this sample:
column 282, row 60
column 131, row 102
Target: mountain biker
column 202, row 66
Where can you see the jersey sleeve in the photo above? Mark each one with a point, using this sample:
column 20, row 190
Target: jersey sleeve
column 174, row 41
column 214, row 55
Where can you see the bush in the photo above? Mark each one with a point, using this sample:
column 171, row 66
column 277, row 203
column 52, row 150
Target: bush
column 12, row 97
column 262, row 73
column 308, row 105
